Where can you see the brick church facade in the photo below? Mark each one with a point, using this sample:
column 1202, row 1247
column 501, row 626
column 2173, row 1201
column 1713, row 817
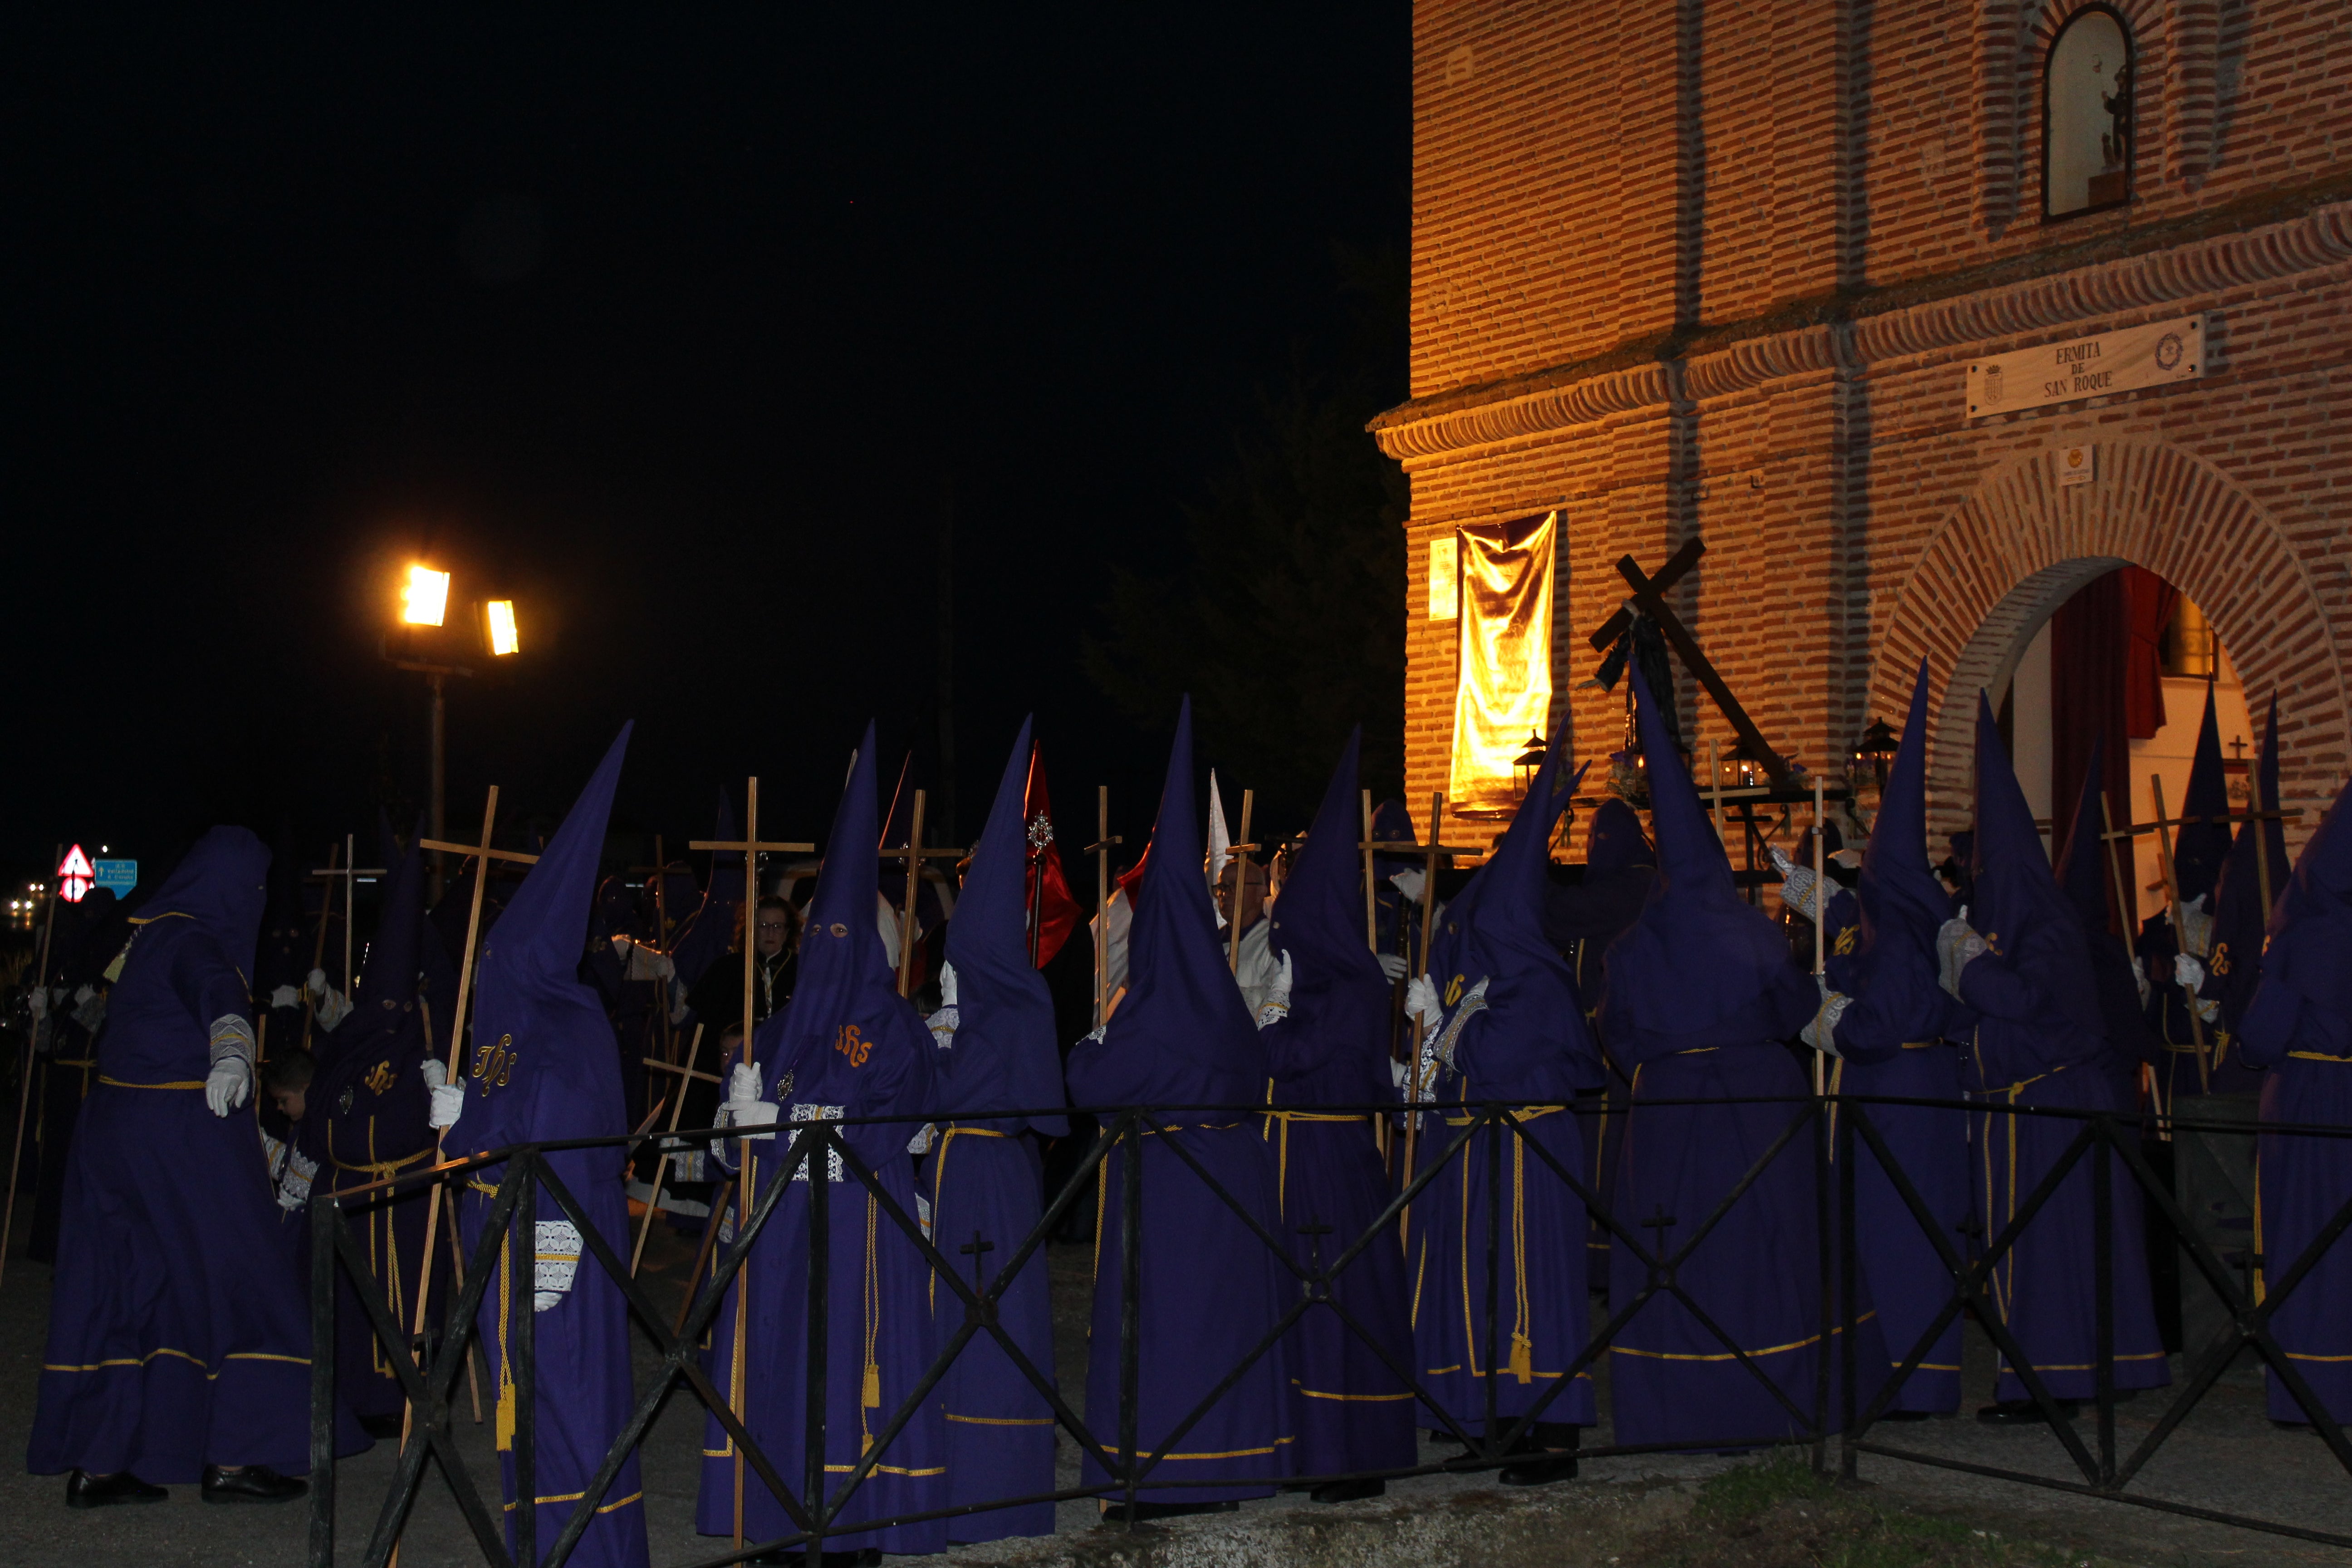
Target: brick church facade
column 1724, row 270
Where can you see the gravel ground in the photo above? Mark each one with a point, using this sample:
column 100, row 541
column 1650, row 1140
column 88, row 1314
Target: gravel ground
column 2227, row 1455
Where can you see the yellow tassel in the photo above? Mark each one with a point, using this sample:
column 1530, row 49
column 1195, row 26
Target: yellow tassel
column 1523, row 1362
column 506, row 1416
column 873, row 1386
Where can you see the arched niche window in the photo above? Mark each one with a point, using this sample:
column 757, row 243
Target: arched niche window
column 2087, row 116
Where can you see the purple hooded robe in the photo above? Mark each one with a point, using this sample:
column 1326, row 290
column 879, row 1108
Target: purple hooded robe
column 1702, row 997
column 1518, row 1034
column 178, row 1336
column 2040, row 1041
column 986, row 1176
column 542, row 1067
column 2299, row 1026
column 1351, row 1410
column 847, row 1046
column 1209, row 1288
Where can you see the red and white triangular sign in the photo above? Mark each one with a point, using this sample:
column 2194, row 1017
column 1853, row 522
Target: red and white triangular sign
column 75, row 875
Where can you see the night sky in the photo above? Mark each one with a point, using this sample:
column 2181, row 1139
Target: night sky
column 685, row 330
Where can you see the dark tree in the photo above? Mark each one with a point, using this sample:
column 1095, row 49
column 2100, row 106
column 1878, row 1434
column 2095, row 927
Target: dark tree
column 1283, row 613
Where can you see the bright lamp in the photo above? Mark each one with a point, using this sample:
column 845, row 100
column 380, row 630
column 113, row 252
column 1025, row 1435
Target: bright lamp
column 426, row 600
column 502, row 626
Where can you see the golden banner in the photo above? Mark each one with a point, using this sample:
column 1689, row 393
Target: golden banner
column 1504, row 691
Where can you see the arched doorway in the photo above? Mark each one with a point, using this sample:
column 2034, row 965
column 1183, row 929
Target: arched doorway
column 2022, row 543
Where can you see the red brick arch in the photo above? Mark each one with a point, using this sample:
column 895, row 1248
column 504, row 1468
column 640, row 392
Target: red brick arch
column 2013, row 551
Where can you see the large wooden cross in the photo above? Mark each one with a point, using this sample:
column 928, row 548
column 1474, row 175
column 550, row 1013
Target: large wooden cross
column 1105, row 841
column 751, row 848
column 1649, row 598
column 348, row 873
column 914, row 852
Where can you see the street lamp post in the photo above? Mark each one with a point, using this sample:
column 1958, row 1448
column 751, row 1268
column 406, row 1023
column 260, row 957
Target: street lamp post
column 424, row 601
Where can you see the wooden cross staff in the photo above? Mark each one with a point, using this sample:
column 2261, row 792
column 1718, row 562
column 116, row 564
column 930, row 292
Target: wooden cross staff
column 914, row 853
column 485, row 853
column 1238, row 854
column 1649, row 599
column 1100, row 849
column 1428, row 909
column 350, row 874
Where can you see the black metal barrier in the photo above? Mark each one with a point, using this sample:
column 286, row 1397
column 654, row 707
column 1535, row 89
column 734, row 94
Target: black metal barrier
column 1834, row 1127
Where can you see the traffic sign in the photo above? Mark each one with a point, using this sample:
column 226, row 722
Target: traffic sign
column 75, row 875
column 118, row 877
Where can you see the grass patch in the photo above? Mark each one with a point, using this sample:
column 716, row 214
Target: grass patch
column 1777, row 1513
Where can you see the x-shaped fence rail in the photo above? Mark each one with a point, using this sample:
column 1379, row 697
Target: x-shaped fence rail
column 1833, row 1126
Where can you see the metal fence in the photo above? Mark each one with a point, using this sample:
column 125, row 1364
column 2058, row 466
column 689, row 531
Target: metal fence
column 1823, row 1134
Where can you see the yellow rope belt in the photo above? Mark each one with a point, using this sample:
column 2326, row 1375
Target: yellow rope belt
column 177, row 1083
column 1282, row 1156
column 1522, row 1362
column 2317, row 1056
column 381, row 1168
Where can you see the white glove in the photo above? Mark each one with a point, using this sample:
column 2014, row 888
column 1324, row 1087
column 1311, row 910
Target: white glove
column 1409, row 882
column 947, row 986
column 448, row 1099
column 1420, row 1002
column 230, row 1081
column 228, row 1084
column 1275, row 1002
column 746, row 1106
column 2139, row 978
column 2187, row 972
column 1392, row 965
column 315, row 983
column 286, row 997
column 83, row 994
column 38, row 1004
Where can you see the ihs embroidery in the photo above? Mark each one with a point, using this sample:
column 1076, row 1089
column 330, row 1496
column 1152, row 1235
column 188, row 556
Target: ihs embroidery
column 379, row 1080
column 493, row 1065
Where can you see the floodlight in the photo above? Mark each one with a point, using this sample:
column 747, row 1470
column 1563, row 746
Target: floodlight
column 426, row 600
column 502, row 626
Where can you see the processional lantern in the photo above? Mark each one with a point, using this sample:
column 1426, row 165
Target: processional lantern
column 1873, row 754
column 1528, row 762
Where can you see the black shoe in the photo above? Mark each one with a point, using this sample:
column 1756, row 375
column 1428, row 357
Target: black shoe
column 86, row 1491
column 1540, row 1472
column 1146, row 1511
column 381, row 1428
column 254, row 1483
column 1349, row 1491
column 2024, row 1413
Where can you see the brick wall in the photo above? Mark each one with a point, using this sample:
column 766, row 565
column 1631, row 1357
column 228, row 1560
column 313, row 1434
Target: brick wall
column 1759, row 329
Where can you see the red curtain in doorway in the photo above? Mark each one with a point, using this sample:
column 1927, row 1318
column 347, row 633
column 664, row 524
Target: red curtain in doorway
column 2153, row 601
column 2091, row 654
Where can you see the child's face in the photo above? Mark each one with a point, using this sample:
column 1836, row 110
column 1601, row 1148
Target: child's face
column 289, row 1102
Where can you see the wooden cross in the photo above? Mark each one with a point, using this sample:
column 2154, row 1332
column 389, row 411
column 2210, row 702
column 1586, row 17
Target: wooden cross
column 751, row 848
column 1428, row 908
column 914, row 853
column 1105, row 841
column 1649, row 599
column 1236, row 854
column 348, row 874
column 687, row 1075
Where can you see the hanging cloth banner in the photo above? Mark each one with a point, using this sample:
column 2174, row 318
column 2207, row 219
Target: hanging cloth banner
column 1503, row 695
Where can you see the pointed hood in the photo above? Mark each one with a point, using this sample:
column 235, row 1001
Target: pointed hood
column 2019, row 907
column 2200, row 845
column 847, row 1039
column 1318, row 918
column 2310, row 929
column 1494, row 930
column 1697, row 953
column 1005, row 1055
column 2239, row 914
column 221, row 885
column 562, row 1067
column 1903, row 906
column 1182, row 1013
